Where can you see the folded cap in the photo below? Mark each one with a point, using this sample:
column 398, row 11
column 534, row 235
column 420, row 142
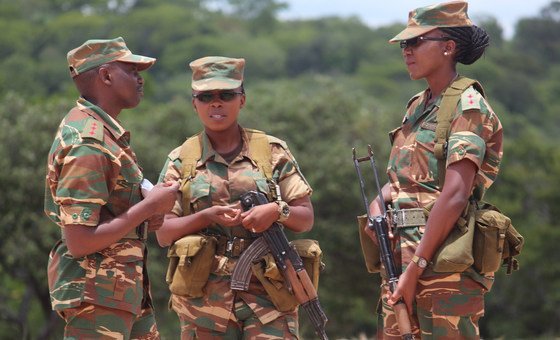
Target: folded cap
column 217, row 73
column 425, row 19
column 97, row 52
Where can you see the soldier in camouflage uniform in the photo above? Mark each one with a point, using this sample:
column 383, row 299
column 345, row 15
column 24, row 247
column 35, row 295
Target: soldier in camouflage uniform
column 97, row 274
column 226, row 170
column 443, row 305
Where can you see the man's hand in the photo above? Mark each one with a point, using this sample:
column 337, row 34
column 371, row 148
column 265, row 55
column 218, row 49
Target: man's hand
column 161, row 198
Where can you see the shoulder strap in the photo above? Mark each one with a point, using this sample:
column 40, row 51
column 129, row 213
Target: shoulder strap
column 191, row 152
column 451, row 98
column 259, row 151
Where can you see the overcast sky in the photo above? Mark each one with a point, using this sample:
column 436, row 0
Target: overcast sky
column 380, row 13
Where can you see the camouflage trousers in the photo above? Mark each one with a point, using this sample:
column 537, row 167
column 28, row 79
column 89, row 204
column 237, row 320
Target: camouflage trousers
column 88, row 321
column 447, row 307
column 247, row 326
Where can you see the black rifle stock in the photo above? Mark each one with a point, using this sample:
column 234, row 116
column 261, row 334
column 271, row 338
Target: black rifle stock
column 379, row 225
column 288, row 261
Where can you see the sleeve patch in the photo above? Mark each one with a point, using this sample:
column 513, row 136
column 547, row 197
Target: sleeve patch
column 92, row 129
column 470, row 99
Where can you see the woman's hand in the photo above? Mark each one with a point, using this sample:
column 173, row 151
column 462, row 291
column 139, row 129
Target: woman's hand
column 259, row 218
column 155, row 222
column 406, row 288
column 224, row 215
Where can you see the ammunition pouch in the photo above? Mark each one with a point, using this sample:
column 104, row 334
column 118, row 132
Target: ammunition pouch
column 190, row 264
column 483, row 238
column 370, row 249
column 496, row 241
column 273, row 282
column 456, row 253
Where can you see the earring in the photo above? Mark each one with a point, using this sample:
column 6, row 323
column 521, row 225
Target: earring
column 446, row 53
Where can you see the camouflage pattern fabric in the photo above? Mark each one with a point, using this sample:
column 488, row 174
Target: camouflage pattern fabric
column 89, row 321
column 218, row 183
column 96, row 52
column 476, row 134
column 447, row 308
column 217, row 73
column 424, row 19
column 93, row 175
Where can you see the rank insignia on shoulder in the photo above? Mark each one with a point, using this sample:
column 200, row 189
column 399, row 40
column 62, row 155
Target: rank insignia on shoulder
column 470, row 99
column 92, row 129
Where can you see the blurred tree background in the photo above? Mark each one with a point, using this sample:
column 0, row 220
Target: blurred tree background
column 324, row 85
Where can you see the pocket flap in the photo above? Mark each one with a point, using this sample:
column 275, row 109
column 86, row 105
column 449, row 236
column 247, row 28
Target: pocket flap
column 307, row 248
column 187, row 246
column 492, row 218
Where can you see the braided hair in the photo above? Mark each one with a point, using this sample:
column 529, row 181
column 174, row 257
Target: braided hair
column 471, row 42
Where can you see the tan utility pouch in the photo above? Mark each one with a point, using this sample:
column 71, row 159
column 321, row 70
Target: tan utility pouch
column 495, row 240
column 272, row 280
column 456, row 253
column 190, row 264
column 370, row 249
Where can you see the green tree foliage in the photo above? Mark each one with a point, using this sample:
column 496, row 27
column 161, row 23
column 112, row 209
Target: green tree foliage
column 325, row 86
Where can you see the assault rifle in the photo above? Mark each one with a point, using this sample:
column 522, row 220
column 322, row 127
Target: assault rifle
column 380, row 227
column 274, row 240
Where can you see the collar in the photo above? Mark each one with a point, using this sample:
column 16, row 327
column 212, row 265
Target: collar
column 111, row 124
column 209, row 153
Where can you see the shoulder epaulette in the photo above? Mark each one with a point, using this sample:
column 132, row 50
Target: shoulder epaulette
column 470, row 99
column 92, row 129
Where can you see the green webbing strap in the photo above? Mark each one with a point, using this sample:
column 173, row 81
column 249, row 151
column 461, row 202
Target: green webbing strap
column 451, row 98
column 259, row 151
column 191, row 152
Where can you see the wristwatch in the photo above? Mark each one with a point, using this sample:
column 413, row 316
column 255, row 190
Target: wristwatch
column 420, row 261
column 283, row 211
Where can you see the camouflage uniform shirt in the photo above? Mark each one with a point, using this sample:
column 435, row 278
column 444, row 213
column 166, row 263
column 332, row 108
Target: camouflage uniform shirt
column 475, row 134
column 92, row 176
column 218, row 182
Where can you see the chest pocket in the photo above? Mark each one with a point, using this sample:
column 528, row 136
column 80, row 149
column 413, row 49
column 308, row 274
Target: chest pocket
column 423, row 161
column 199, row 193
column 126, row 192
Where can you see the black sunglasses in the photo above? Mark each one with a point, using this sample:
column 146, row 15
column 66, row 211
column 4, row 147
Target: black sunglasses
column 207, row 97
column 414, row 41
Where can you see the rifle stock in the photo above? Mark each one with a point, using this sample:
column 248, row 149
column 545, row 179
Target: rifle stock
column 288, row 262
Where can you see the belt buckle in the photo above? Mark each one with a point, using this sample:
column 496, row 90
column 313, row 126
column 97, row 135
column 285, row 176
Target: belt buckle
column 398, row 218
column 230, row 247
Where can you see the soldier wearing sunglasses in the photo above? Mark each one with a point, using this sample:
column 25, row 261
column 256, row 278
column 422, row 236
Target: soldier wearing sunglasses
column 223, row 163
column 442, row 304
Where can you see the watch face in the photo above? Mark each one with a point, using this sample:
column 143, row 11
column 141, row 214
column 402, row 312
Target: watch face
column 422, row 263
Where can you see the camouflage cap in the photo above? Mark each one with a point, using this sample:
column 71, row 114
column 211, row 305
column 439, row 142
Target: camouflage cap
column 97, row 52
column 217, row 73
column 425, row 19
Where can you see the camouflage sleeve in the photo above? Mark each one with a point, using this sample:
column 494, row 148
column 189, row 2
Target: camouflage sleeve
column 87, row 174
column 171, row 171
column 287, row 173
column 476, row 134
